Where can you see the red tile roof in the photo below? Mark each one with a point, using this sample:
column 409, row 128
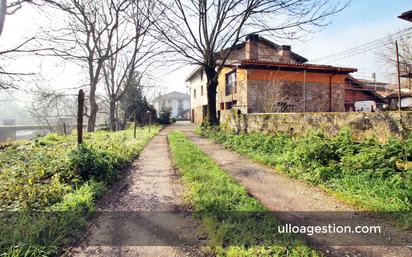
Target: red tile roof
column 304, row 66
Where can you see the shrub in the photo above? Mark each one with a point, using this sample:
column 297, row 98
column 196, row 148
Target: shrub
column 371, row 175
column 90, row 163
column 49, row 186
column 164, row 116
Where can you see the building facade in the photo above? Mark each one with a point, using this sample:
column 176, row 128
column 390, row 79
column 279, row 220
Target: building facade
column 177, row 102
column 263, row 77
column 267, row 87
column 198, row 95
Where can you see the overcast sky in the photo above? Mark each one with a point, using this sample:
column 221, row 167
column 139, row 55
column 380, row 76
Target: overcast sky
column 361, row 22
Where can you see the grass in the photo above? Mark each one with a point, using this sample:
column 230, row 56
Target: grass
column 236, row 224
column 368, row 174
column 48, row 187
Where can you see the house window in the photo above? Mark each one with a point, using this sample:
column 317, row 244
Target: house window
column 194, row 93
column 231, row 81
column 201, row 90
column 201, row 75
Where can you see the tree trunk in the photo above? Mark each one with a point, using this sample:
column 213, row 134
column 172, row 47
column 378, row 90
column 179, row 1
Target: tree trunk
column 3, row 13
column 211, row 103
column 112, row 115
column 93, row 112
column 212, row 84
column 124, row 118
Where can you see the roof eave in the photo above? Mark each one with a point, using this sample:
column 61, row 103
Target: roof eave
column 306, row 67
column 192, row 73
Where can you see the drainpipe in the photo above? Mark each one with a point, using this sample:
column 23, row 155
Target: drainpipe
column 304, row 91
column 330, row 91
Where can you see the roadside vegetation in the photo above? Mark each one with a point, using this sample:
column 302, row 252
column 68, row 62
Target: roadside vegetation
column 236, row 224
column 368, row 174
column 48, row 186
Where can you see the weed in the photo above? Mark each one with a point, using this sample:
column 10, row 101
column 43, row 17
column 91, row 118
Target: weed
column 236, row 224
column 48, row 187
column 373, row 176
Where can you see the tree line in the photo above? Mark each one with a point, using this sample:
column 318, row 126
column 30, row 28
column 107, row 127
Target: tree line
column 118, row 42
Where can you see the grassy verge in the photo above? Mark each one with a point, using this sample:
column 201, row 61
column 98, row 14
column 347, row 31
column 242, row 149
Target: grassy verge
column 370, row 175
column 48, row 187
column 236, row 224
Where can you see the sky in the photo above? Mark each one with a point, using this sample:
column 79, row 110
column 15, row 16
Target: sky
column 361, row 22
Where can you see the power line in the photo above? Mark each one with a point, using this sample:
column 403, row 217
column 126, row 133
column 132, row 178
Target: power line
column 371, row 45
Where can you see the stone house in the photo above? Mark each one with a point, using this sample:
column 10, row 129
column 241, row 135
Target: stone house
column 177, row 102
column 263, row 77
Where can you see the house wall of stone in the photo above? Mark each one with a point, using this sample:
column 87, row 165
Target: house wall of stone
column 382, row 125
column 294, row 91
column 267, row 53
column 260, row 51
column 236, row 55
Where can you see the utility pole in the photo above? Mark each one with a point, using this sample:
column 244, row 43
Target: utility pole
column 399, row 75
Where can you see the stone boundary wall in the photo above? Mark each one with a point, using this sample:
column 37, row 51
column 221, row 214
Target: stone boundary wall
column 382, row 125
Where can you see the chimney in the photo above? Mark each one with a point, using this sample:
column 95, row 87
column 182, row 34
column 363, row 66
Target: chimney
column 286, row 54
column 251, row 47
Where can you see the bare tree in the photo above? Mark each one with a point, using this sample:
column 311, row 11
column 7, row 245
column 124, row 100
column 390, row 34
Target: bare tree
column 204, row 32
column 8, row 8
column 387, row 56
column 9, row 78
column 135, row 58
column 89, row 38
column 49, row 106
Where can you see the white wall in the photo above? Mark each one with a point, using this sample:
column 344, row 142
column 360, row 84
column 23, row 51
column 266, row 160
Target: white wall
column 196, row 82
column 173, row 104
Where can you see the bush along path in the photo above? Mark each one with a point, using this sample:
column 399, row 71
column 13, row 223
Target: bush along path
column 370, row 175
column 280, row 193
column 235, row 223
column 141, row 215
column 48, row 187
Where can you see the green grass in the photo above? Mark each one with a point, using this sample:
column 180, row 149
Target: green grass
column 236, row 224
column 48, row 187
column 370, row 175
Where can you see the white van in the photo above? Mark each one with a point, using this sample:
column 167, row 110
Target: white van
column 365, row 106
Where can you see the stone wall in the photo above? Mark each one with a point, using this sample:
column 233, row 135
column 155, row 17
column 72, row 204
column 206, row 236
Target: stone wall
column 382, row 125
column 290, row 96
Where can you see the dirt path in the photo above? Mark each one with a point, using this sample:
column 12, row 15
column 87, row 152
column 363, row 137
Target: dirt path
column 138, row 216
column 282, row 194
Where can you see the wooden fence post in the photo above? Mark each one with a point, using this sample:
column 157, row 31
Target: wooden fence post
column 80, row 117
column 64, row 128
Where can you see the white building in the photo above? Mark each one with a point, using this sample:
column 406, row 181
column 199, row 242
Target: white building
column 198, row 95
column 177, row 102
